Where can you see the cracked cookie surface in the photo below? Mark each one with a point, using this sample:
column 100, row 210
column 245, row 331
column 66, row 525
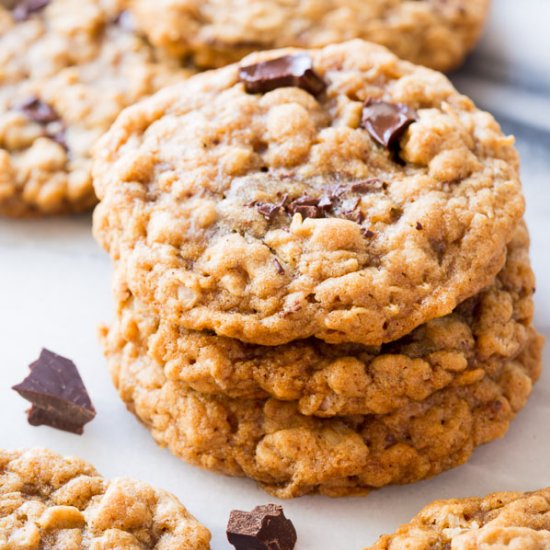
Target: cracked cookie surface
column 214, row 32
column 50, row 502
column 66, row 71
column 335, row 379
column 497, row 521
column 205, row 192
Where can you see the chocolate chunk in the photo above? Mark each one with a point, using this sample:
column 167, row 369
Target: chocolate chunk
column 368, row 233
column 278, row 266
column 125, row 21
column 268, row 210
column 38, row 111
column 24, row 9
column 308, row 207
column 367, row 186
column 418, row 226
column 44, row 114
column 60, row 138
column 57, row 393
column 386, row 122
column 290, row 70
column 265, row 528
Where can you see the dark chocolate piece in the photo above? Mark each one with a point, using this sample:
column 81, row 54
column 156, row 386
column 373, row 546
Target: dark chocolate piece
column 268, row 210
column 125, row 21
column 367, row 186
column 279, row 267
column 386, row 122
column 57, row 393
column 38, row 111
column 24, row 9
column 309, row 207
column 44, row 114
column 289, row 70
column 265, row 528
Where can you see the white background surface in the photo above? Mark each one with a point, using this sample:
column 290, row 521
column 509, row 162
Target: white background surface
column 55, row 290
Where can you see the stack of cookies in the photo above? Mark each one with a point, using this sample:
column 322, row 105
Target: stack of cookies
column 321, row 270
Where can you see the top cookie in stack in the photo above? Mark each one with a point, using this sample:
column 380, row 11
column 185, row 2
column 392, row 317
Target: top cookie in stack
column 434, row 33
column 322, row 273
column 341, row 194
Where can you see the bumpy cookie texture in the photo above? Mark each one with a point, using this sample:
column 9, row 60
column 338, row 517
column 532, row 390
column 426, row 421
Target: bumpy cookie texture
column 327, row 380
column 502, row 520
column 274, row 217
column 435, row 33
column 291, row 454
column 49, row 502
column 66, row 71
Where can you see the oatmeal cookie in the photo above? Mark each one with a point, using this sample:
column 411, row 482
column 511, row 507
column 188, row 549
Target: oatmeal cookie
column 357, row 199
column 56, row 503
column 291, row 454
column 215, row 32
column 498, row 521
column 344, row 379
column 67, row 69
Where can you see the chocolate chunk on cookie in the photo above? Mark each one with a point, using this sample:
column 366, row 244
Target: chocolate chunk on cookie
column 387, row 122
column 289, row 70
column 500, row 520
column 25, row 8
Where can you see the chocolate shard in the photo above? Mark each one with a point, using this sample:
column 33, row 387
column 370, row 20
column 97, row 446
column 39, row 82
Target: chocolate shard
column 386, row 122
column 57, row 393
column 368, row 185
column 265, row 528
column 280, row 269
column 25, row 8
column 38, row 111
column 44, row 114
column 309, row 207
column 125, row 21
column 268, row 210
column 289, row 70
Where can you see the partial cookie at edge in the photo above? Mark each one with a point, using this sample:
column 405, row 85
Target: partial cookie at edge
column 67, row 71
column 432, row 33
column 56, row 502
column 501, row 520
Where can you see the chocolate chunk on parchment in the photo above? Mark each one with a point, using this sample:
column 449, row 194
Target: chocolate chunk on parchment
column 265, row 528
column 289, row 70
column 386, row 122
column 25, row 8
column 57, row 393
